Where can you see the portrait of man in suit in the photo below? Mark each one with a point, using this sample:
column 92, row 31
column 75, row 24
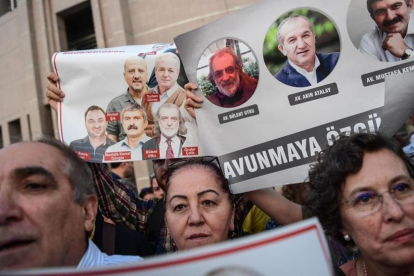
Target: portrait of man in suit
column 169, row 130
column 303, row 67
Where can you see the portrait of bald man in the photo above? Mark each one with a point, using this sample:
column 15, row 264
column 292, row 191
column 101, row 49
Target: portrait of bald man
column 136, row 75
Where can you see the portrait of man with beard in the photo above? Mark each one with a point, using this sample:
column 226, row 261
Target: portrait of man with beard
column 233, row 86
column 392, row 39
column 93, row 146
column 134, row 120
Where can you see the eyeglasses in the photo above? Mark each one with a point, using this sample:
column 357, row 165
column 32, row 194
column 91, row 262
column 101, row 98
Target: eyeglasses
column 368, row 202
column 179, row 162
column 229, row 70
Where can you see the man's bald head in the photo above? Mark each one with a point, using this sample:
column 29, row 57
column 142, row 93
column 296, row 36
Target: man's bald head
column 135, row 73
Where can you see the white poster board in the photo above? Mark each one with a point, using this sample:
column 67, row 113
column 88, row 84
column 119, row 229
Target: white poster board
column 295, row 250
column 271, row 138
column 98, row 79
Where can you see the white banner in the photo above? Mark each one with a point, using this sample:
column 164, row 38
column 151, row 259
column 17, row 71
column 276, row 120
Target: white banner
column 298, row 249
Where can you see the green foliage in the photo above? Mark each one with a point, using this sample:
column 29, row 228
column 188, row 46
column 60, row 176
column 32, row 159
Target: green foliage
column 250, row 67
column 206, row 87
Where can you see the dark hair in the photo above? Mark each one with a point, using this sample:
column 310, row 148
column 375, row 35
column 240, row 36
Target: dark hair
column 208, row 166
column 370, row 2
column 115, row 165
column 132, row 107
column 145, row 191
column 334, row 164
column 92, row 108
column 237, row 62
column 75, row 169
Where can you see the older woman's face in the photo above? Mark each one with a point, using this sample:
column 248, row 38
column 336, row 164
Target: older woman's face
column 198, row 212
column 384, row 233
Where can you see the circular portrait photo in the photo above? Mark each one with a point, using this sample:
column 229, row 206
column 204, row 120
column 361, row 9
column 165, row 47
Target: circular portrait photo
column 228, row 73
column 301, row 48
column 382, row 30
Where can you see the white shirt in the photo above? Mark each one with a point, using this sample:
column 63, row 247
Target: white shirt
column 371, row 43
column 310, row 76
column 123, row 145
column 163, row 98
column 175, row 144
column 93, row 257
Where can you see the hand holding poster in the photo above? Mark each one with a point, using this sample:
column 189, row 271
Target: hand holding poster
column 125, row 103
column 313, row 84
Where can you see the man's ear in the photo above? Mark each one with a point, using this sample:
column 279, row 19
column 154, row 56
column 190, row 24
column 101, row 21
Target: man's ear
column 410, row 5
column 282, row 50
column 90, row 208
column 145, row 124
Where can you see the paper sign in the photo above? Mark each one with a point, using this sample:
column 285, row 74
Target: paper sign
column 294, row 111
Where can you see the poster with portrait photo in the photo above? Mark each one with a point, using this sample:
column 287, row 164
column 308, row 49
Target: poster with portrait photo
column 272, row 138
column 225, row 65
column 110, row 111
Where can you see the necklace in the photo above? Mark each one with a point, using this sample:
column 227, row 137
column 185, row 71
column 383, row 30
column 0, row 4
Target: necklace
column 365, row 269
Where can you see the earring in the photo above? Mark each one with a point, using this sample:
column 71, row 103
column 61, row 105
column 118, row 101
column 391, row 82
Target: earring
column 347, row 238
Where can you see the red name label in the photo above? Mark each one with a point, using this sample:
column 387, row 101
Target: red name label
column 148, row 54
column 117, row 156
column 189, row 151
column 150, row 154
column 84, row 155
column 152, row 97
column 112, row 116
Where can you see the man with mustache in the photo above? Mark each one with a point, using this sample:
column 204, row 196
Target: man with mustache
column 234, row 87
column 136, row 75
column 393, row 37
column 93, row 146
column 134, row 120
column 304, row 67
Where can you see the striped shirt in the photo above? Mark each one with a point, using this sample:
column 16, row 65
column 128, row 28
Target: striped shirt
column 93, row 257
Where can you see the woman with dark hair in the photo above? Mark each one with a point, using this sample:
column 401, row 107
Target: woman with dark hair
column 362, row 190
column 199, row 204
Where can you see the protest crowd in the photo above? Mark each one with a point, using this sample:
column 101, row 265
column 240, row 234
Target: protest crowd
column 61, row 211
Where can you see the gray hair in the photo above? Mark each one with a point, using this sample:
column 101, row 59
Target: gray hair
column 174, row 56
column 75, row 169
column 133, row 107
column 292, row 17
column 182, row 130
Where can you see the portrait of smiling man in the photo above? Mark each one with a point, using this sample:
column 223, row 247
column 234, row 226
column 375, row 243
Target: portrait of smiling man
column 169, row 131
column 233, row 86
column 47, row 209
column 93, row 146
column 136, row 75
column 167, row 71
column 134, row 120
column 304, row 67
column 392, row 39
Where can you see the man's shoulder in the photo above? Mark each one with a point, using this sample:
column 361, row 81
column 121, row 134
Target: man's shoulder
column 374, row 35
column 151, row 143
column 115, row 147
column 283, row 74
column 329, row 58
column 118, row 100
column 79, row 142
